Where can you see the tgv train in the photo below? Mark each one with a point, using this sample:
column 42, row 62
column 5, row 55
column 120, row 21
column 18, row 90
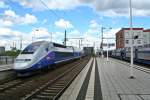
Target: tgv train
column 140, row 54
column 42, row 55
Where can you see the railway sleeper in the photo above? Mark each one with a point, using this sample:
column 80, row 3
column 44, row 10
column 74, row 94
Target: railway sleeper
column 44, row 97
column 38, row 99
column 54, row 88
column 49, row 93
column 59, row 83
column 57, row 86
column 55, row 91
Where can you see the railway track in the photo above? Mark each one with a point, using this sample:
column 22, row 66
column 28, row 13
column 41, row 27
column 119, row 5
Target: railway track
column 24, row 88
column 53, row 89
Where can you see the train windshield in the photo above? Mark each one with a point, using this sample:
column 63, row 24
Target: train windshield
column 31, row 48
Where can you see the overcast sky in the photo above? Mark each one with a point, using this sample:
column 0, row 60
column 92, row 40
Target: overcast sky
column 81, row 18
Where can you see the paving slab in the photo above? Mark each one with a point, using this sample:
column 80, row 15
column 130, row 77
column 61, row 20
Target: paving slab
column 90, row 90
column 6, row 67
column 116, row 84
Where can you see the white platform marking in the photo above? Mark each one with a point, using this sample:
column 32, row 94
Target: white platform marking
column 73, row 90
column 90, row 90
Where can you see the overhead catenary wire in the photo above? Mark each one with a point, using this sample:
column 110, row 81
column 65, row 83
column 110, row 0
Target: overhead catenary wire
column 49, row 9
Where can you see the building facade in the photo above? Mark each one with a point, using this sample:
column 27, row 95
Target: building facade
column 124, row 37
column 2, row 49
column 88, row 50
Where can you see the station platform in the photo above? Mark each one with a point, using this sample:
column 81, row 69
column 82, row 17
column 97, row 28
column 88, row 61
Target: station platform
column 6, row 67
column 109, row 80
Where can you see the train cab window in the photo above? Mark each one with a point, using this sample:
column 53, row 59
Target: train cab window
column 59, row 45
column 46, row 49
column 31, row 48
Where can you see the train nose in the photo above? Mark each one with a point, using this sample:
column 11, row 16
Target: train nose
column 23, row 61
column 20, row 66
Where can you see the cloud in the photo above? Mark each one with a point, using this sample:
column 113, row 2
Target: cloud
column 8, row 33
column 10, row 13
column 38, row 5
column 91, row 37
column 74, row 34
column 10, row 18
column 6, row 22
column 121, row 7
column 90, row 40
column 94, row 24
column 94, row 27
column 106, row 7
column 64, row 24
column 111, row 33
column 40, row 34
column 29, row 19
column 3, row 5
column 8, row 36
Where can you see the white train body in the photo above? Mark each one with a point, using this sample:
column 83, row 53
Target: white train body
column 43, row 54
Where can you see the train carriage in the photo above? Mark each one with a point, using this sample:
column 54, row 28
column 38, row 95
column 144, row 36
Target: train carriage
column 42, row 55
column 140, row 54
column 144, row 55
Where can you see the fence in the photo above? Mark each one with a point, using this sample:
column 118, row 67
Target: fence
column 6, row 60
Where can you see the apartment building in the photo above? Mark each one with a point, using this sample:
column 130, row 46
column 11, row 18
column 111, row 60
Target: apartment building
column 124, row 37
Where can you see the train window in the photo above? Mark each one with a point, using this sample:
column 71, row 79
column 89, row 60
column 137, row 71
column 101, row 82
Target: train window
column 139, row 41
column 46, row 49
column 59, row 45
column 127, row 41
column 31, row 48
column 63, row 54
column 133, row 41
column 19, row 60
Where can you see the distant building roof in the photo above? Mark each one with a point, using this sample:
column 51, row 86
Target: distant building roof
column 148, row 30
column 128, row 29
column 132, row 28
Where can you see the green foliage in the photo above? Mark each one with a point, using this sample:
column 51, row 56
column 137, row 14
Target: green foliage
column 11, row 53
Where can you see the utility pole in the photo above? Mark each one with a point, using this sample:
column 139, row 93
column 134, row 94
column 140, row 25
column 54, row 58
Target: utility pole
column 94, row 47
column 33, row 36
column 20, row 43
column 131, row 32
column 108, row 47
column 65, row 38
column 102, row 29
column 79, row 43
column 102, row 42
column 107, row 50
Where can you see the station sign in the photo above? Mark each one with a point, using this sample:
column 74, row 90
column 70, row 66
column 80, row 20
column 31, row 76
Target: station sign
column 109, row 45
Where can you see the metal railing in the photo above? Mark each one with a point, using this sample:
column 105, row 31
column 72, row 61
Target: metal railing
column 6, row 60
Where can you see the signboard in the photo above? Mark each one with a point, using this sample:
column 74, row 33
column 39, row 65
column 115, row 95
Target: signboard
column 109, row 45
